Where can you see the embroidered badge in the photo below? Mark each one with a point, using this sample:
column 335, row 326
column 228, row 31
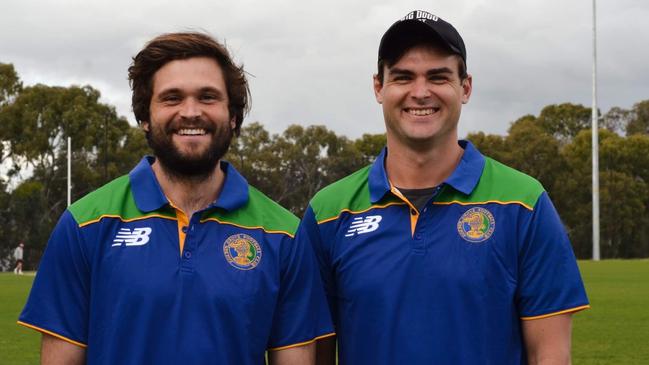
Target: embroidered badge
column 476, row 225
column 242, row 251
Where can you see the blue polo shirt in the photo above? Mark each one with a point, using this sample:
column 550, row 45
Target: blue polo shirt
column 449, row 284
column 129, row 279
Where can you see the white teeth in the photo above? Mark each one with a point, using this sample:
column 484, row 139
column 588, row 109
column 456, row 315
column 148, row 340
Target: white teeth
column 420, row 112
column 191, row 131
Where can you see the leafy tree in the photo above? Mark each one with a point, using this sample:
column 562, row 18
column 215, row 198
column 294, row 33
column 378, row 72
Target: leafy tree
column 34, row 126
column 370, row 145
column 293, row 166
column 10, row 84
column 29, row 221
column 616, row 120
column 624, row 196
column 639, row 121
column 535, row 152
column 251, row 154
column 575, row 193
column 490, row 145
column 623, row 216
column 5, row 216
column 309, row 159
column 565, row 121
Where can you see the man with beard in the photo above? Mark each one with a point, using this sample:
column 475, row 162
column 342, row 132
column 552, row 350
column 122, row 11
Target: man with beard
column 181, row 261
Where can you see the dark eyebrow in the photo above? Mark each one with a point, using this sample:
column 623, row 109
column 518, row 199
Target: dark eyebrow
column 400, row 71
column 431, row 72
column 207, row 89
column 168, row 92
column 438, row 71
column 218, row 94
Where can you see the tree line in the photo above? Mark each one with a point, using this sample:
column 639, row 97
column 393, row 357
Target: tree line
column 290, row 167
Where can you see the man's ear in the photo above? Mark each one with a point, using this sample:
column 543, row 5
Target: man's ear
column 233, row 123
column 145, row 126
column 378, row 86
column 467, row 88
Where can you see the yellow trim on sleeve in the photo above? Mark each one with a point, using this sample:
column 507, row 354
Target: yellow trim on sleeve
column 124, row 219
column 358, row 211
column 175, row 219
column 52, row 334
column 571, row 310
column 248, row 227
column 485, row 202
column 302, row 343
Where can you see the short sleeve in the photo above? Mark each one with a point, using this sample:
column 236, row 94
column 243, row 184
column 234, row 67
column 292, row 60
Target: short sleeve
column 549, row 278
column 58, row 301
column 301, row 315
column 310, row 231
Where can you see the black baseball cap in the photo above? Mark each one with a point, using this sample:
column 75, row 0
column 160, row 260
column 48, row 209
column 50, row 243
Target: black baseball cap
column 420, row 25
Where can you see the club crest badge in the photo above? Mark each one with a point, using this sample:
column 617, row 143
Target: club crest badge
column 476, row 225
column 242, row 251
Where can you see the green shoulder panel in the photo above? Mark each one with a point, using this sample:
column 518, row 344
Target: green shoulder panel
column 500, row 184
column 114, row 199
column 260, row 212
column 350, row 193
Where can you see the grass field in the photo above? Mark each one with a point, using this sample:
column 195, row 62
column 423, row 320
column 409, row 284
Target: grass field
column 614, row 331
column 18, row 345
column 616, row 328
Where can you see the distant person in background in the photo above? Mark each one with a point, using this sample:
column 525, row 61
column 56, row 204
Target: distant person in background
column 18, row 256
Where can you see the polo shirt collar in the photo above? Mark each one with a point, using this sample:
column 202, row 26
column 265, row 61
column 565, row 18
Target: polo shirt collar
column 148, row 194
column 234, row 193
column 464, row 178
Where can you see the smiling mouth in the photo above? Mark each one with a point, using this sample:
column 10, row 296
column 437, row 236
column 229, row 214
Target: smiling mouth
column 421, row 111
column 191, row 132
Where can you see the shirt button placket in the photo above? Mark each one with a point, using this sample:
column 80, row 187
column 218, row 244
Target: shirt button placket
column 189, row 247
column 418, row 238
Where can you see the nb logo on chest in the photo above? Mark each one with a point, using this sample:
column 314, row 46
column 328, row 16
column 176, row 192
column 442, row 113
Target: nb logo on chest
column 135, row 237
column 362, row 225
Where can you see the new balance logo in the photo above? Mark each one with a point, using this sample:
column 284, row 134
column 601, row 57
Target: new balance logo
column 136, row 237
column 362, row 225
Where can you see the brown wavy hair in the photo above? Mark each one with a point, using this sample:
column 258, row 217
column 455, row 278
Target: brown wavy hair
column 178, row 46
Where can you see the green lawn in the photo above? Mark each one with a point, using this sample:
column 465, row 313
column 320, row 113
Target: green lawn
column 614, row 331
column 616, row 328
column 18, row 345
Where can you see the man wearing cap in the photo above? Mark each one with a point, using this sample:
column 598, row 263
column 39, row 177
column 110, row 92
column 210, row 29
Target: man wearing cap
column 436, row 254
column 181, row 261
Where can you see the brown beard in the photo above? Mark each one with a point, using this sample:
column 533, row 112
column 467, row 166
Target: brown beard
column 194, row 167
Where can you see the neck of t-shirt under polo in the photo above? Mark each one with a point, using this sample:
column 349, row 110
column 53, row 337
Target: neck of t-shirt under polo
column 419, row 197
column 414, row 211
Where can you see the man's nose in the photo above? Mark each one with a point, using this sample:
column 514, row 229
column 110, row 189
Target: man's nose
column 190, row 109
column 421, row 89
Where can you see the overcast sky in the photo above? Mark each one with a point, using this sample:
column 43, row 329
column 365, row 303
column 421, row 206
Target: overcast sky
column 312, row 62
